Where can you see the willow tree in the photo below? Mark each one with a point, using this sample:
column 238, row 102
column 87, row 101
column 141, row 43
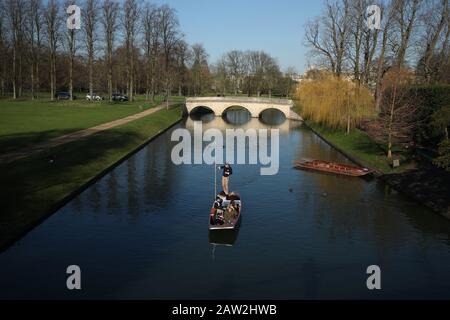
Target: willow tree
column 335, row 102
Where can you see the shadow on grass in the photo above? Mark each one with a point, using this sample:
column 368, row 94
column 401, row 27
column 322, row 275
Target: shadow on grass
column 14, row 142
column 35, row 187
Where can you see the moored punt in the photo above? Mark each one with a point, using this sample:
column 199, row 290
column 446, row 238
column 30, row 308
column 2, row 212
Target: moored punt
column 331, row 167
column 227, row 216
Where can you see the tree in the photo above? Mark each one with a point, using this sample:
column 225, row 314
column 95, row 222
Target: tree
column 388, row 14
column 405, row 17
column 3, row 49
column 434, row 25
column 398, row 107
column 199, row 69
column 71, row 48
column 182, row 55
column 335, row 102
column 109, row 22
column 34, row 26
column 221, row 76
column 170, row 35
column 16, row 16
column 328, row 35
column 90, row 24
column 130, row 19
column 234, row 61
column 151, row 27
column 52, row 24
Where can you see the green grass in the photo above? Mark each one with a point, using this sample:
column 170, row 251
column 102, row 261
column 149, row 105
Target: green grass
column 25, row 122
column 360, row 146
column 31, row 187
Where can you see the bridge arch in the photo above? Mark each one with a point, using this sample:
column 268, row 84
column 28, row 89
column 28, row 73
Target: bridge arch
column 272, row 116
column 240, row 116
column 236, row 107
column 219, row 105
column 273, row 109
column 201, row 109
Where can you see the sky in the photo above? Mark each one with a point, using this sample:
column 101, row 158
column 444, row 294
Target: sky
column 275, row 26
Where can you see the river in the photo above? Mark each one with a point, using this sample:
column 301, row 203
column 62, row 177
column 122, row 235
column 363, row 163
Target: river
column 141, row 232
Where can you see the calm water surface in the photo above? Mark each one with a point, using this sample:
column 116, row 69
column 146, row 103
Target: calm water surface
column 141, row 232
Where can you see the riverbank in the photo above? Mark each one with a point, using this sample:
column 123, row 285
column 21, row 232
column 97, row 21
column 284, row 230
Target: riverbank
column 418, row 179
column 35, row 187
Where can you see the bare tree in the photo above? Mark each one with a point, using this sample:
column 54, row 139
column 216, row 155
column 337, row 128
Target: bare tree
column 398, row 108
column 151, row 26
column 3, row 49
column 221, row 75
column 90, row 25
column 199, row 69
column 388, row 14
column 52, row 23
column 71, row 48
column 370, row 44
column 109, row 22
column 182, row 55
column 16, row 16
column 432, row 32
column 356, row 31
column 170, row 35
column 130, row 19
column 405, row 18
column 235, row 66
column 34, row 26
column 328, row 36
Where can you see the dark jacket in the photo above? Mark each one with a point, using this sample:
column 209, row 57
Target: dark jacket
column 227, row 171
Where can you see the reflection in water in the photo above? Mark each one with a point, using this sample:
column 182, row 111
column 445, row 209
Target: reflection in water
column 223, row 237
column 142, row 232
column 272, row 117
column 133, row 197
column 236, row 116
column 113, row 187
column 202, row 116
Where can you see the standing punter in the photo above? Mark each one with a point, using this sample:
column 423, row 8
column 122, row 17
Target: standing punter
column 227, row 172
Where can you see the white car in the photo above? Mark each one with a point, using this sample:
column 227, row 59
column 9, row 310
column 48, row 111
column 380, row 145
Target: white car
column 94, row 97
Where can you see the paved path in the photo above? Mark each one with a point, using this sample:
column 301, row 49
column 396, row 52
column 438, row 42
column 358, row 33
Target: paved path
column 55, row 142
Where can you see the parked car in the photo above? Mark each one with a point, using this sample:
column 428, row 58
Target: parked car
column 119, row 97
column 94, row 97
column 64, row 96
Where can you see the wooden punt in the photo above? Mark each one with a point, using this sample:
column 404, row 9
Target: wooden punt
column 232, row 223
column 331, row 167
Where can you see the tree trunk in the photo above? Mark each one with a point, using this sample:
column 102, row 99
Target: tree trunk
column 91, row 74
column 32, row 80
column 378, row 93
column 14, row 73
column 71, row 77
column 391, row 120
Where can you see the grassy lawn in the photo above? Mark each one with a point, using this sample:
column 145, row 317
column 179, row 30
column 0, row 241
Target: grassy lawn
column 358, row 145
column 24, row 122
column 32, row 187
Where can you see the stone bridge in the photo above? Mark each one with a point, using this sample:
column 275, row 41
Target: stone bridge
column 220, row 105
